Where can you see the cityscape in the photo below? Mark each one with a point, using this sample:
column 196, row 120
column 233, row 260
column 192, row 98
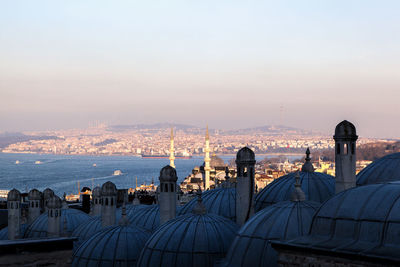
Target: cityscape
column 199, row 133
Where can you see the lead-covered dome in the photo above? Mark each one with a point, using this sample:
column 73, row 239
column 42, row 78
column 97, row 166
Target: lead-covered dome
column 168, row 174
column 4, row 231
column 108, row 189
column 189, row 240
column 282, row 221
column 72, row 217
column 220, row 201
column 363, row 220
column 245, row 155
column 345, row 130
column 316, row 186
column 14, row 195
column 34, row 194
column 146, row 217
column 383, row 170
column 113, row 246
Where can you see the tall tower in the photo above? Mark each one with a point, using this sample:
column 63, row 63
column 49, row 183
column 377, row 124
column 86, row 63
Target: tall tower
column 14, row 213
column 34, row 197
column 96, row 201
column 245, row 161
column 167, row 197
column 54, row 217
column 207, row 161
column 172, row 150
column 345, row 155
column 108, row 203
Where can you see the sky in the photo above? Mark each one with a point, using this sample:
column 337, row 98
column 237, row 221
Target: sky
column 231, row 64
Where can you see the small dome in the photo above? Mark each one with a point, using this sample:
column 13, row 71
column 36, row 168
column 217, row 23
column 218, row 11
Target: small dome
column 34, row 194
column 383, row 170
column 362, row 221
column 220, row 201
column 245, row 155
column 14, row 195
column 284, row 220
column 96, row 192
column 54, row 203
column 108, row 189
column 73, row 218
column 147, row 217
column 345, row 130
column 113, row 246
column 189, row 240
column 316, row 186
column 4, row 231
column 168, row 174
column 48, row 193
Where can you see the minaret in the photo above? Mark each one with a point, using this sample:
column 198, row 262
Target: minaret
column 34, row 197
column 207, row 162
column 54, row 217
column 172, row 150
column 245, row 161
column 14, row 213
column 345, row 155
column 96, row 201
column 167, row 197
column 108, row 203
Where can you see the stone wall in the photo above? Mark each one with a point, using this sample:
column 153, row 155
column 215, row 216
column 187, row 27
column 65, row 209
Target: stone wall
column 55, row 258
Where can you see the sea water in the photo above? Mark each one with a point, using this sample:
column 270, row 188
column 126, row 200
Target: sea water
column 62, row 172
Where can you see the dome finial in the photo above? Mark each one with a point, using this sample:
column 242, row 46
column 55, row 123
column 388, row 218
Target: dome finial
column 298, row 194
column 307, row 166
column 199, row 208
column 124, row 221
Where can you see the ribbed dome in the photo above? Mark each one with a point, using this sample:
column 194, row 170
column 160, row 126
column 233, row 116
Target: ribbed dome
column 244, row 155
column 147, row 217
column 108, row 189
column 189, row 240
column 87, row 229
column 112, row 246
column 168, row 174
column 34, row 194
column 220, row 201
column 345, row 130
column 14, row 195
column 316, row 186
column 96, row 192
column 363, row 220
column 74, row 217
column 383, row 170
column 48, row 193
column 4, row 231
column 284, row 220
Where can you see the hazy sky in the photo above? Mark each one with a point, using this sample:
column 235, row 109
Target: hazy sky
column 231, row 64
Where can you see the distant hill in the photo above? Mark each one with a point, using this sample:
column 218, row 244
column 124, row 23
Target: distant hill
column 270, row 130
column 262, row 130
column 12, row 138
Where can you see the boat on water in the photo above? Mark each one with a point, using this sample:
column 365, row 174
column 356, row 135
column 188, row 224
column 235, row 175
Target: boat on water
column 117, row 172
column 17, row 162
column 38, row 162
column 94, row 164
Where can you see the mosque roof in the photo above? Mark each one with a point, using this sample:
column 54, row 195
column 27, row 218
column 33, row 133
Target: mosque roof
column 189, row 240
column 73, row 217
column 363, row 220
column 118, row 245
column 316, row 186
column 220, row 201
column 382, row 170
column 147, row 217
column 283, row 220
column 4, row 231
